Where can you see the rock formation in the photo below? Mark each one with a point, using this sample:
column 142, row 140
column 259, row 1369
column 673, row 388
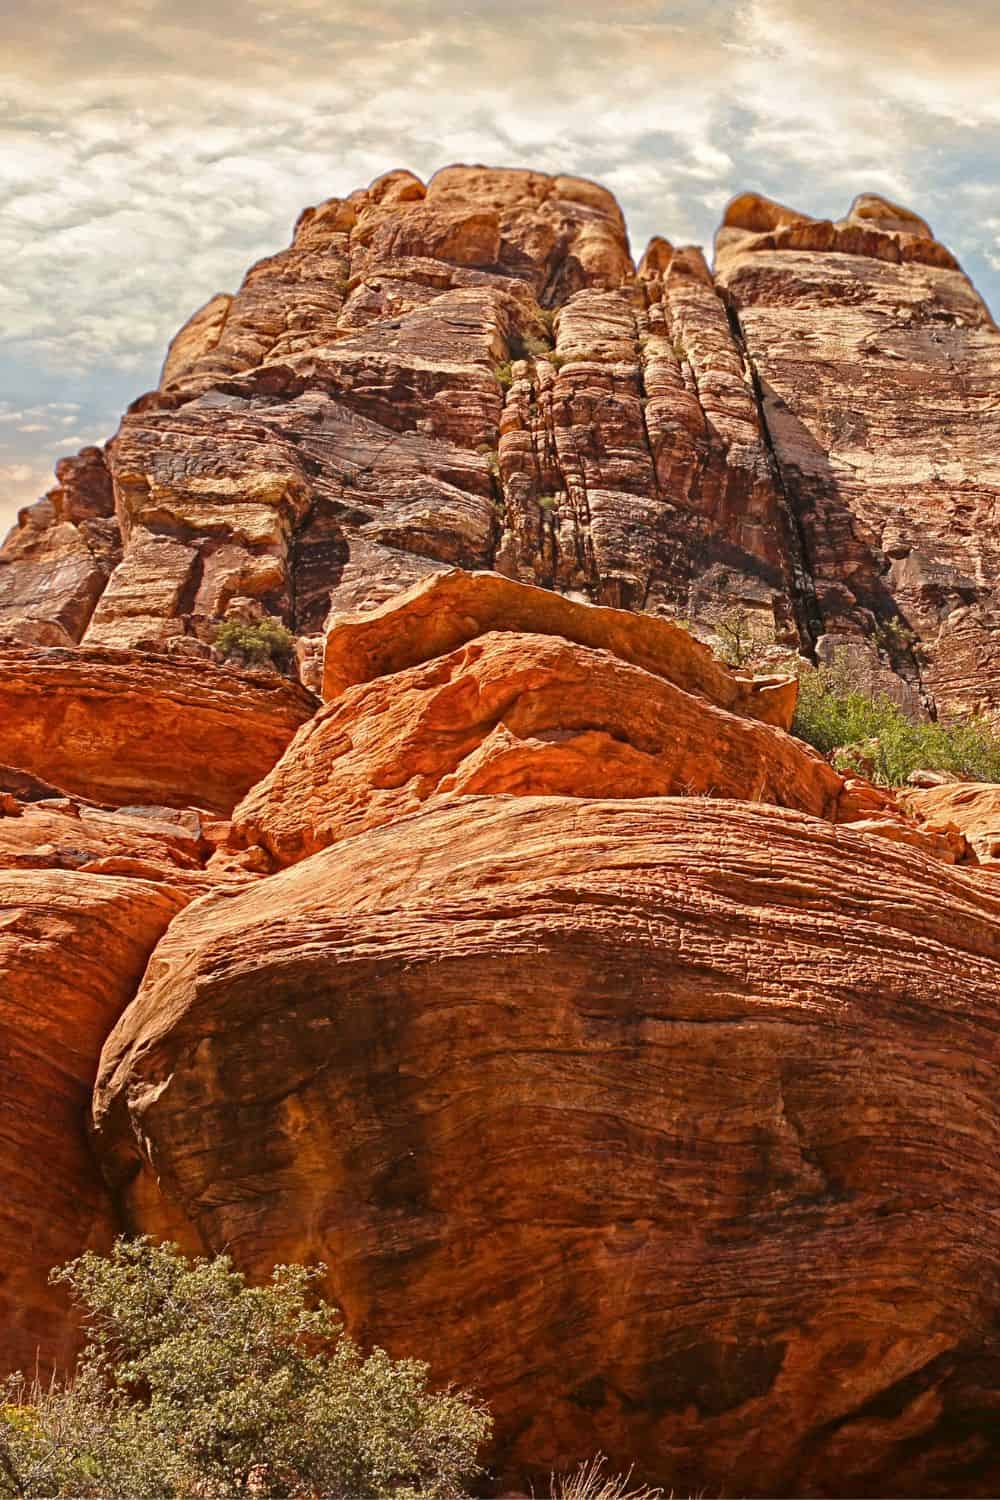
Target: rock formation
column 667, row 1123
column 500, row 946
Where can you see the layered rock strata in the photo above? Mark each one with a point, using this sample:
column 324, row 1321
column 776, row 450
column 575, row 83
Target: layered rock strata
column 127, row 727
column 667, row 1123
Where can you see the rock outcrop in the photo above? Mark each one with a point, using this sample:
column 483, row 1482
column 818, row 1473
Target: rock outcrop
column 668, row 1123
column 617, row 1054
column 126, row 727
column 878, row 369
column 73, row 947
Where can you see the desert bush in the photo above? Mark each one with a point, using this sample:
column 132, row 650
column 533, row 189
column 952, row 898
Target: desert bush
column 195, row 1383
column 873, row 734
column 266, row 641
column 505, row 374
column 743, row 638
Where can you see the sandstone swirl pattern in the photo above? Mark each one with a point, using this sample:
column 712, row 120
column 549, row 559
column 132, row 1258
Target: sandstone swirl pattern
column 618, row 1054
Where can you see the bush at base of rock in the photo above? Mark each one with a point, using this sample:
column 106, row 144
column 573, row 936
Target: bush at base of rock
column 243, row 1389
column 873, row 735
column 267, row 641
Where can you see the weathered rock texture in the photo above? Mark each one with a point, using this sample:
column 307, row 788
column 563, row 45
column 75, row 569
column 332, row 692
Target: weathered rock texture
column 73, row 947
column 971, row 807
column 878, row 369
column 453, row 607
column 670, row 1124
column 618, row 1056
column 522, row 714
column 124, row 727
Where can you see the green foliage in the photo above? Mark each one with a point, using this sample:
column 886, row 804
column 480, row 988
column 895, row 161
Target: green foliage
column 196, row 1384
column 266, row 641
column 873, row 735
column 895, row 638
column 680, row 351
column 534, row 348
column 548, row 503
column 504, row 374
column 743, row 637
column 492, row 458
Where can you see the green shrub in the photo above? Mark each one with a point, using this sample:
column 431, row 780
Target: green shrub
column 196, row 1384
column 492, row 458
column 504, row 374
column 532, row 348
column 266, row 641
column 872, row 734
column 548, row 502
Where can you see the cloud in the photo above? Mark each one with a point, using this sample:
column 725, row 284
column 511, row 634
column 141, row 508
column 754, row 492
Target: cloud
column 153, row 149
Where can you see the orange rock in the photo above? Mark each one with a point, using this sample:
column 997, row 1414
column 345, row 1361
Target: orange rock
column 516, row 713
column 73, row 947
column 669, row 1124
column 973, row 808
column 121, row 727
column 450, row 608
column 149, row 843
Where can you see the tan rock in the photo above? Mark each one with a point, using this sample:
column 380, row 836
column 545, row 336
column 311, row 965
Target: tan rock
column 878, row 367
column 973, row 808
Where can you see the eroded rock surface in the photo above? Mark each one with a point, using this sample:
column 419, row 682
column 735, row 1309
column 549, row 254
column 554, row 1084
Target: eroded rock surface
column 123, row 727
column 73, row 947
column 666, row 1120
column 669, row 1123
column 878, row 368
column 520, row 714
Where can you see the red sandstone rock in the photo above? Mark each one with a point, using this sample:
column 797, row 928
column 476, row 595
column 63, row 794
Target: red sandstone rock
column 669, row 1124
column 518, row 714
column 449, row 609
column 121, row 727
column 73, row 947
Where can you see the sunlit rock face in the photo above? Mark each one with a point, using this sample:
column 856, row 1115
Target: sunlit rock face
column 495, row 943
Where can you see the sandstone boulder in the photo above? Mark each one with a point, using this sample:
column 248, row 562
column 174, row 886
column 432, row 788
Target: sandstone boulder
column 520, row 714
column 671, row 1125
column 123, row 727
column 448, row 609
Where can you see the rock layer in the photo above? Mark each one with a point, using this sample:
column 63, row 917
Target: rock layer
column 514, row 713
column 878, row 368
column 73, row 947
column 666, row 1121
column 686, row 1107
column 123, row 727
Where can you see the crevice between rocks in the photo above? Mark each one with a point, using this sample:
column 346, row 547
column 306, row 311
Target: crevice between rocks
column 808, row 617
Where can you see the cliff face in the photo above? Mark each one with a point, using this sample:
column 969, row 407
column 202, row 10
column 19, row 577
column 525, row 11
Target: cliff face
column 616, row 1053
column 813, row 433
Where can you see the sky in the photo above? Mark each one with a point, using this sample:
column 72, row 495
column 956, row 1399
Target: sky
column 153, row 149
